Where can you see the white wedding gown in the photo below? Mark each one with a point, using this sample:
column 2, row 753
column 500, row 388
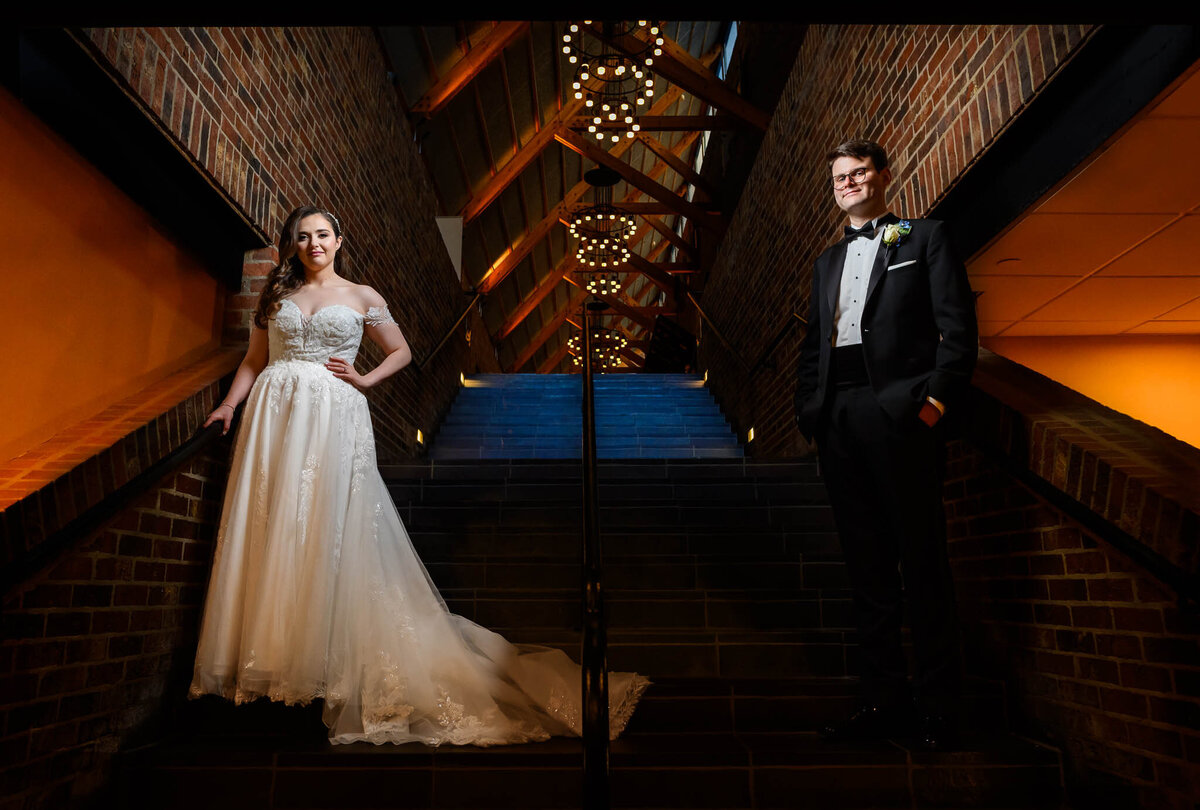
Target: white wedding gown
column 316, row 591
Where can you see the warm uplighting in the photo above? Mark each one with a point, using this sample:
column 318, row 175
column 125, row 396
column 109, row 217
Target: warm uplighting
column 462, row 378
column 420, row 437
column 750, row 436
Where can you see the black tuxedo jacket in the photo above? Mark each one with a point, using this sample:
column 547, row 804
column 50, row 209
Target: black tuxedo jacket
column 919, row 332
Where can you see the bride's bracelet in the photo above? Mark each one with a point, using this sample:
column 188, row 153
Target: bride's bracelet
column 226, row 405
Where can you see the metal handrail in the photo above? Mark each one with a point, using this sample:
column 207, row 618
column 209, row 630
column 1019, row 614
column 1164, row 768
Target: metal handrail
column 595, row 641
column 737, row 355
column 779, row 336
column 750, row 369
column 425, row 361
column 92, row 518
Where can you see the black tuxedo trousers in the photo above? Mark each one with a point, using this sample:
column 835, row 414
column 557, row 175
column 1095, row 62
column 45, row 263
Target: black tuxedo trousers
column 885, row 484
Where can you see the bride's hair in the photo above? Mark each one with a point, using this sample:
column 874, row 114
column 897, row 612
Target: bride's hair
column 288, row 275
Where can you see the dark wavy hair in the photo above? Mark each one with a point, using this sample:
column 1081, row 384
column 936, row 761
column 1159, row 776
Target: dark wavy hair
column 288, row 275
column 859, row 148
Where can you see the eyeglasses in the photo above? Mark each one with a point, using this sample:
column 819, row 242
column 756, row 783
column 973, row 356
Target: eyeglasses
column 858, row 175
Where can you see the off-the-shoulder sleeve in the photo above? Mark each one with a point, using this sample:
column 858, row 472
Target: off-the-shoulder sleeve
column 378, row 316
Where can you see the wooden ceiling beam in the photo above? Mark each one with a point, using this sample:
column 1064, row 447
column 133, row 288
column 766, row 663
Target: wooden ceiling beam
column 661, row 208
column 670, row 235
column 546, row 331
column 679, row 67
column 565, row 265
column 507, row 262
column 470, row 66
column 630, row 311
column 517, row 252
column 552, row 360
column 670, row 123
column 678, row 164
column 633, row 177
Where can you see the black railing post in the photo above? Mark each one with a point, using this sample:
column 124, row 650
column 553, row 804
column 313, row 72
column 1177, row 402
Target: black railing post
column 595, row 669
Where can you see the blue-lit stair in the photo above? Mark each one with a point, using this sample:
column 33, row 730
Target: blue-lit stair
column 505, row 416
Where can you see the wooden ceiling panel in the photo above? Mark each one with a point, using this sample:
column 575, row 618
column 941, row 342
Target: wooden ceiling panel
column 487, row 102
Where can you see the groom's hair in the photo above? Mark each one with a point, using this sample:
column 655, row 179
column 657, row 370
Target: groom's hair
column 859, row 148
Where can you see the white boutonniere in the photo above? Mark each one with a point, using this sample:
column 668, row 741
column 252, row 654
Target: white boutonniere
column 896, row 231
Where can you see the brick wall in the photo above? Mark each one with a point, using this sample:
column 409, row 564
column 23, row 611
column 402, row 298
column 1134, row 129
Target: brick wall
column 941, row 94
column 280, row 117
column 1097, row 656
column 97, row 645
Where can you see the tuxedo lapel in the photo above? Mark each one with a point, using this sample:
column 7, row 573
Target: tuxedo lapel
column 882, row 259
column 877, row 271
column 832, row 280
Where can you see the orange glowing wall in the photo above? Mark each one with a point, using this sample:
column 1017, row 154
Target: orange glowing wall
column 1153, row 378
column 97, row 300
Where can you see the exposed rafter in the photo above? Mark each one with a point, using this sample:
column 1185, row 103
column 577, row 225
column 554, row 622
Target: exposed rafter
column 577, row 298
column 671, row 123
column 635, row 178
column 553, row 359
column 670, row 235
column 470, row 66
column 680, row 166
column 681, row 68
column 531, row 302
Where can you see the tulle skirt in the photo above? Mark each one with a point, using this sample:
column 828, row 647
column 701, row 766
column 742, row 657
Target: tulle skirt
column 317, row 592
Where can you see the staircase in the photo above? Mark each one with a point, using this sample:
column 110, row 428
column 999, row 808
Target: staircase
column 723, row 584
column 538, row 416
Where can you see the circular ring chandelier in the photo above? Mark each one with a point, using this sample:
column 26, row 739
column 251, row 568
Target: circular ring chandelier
column 603, row 233
column 625, row 84
column 606, row 347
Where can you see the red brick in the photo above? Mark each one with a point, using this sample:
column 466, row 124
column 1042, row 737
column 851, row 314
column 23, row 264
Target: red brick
column 1119, row 646
column 1141, row 676
column 1138, row 619
column 1122, row 701
column 1099, row 669
column 1091, row 616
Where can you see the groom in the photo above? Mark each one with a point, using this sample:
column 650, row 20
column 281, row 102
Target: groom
column 891, row 344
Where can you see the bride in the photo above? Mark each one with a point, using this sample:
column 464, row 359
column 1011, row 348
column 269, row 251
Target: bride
column 316, row 591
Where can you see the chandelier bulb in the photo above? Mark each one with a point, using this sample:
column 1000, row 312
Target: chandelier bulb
column 649, row 92
column 566, row 37
column 658, row 41
column 599, row 70
column 641, row 101
column 642, row 22
column 653, row 29
column 574, row 27
column 649, row 82
column 616, row 138
column 649, row 61
column 591, row 128
column 574, row 59
column 566, row 49
column 635, row 128
column 629, row 119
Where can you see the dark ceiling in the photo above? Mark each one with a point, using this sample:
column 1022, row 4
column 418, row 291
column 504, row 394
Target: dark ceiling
column 500, row 131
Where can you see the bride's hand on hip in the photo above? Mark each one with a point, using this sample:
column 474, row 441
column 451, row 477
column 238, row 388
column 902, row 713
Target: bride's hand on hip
column 344, row 370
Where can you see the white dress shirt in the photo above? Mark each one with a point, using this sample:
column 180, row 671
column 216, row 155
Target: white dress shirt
column 856, row 275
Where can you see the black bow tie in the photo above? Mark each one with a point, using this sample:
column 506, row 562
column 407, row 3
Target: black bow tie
column 867, row 230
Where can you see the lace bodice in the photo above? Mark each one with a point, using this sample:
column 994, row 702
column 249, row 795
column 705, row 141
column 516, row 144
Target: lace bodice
column 332, row 331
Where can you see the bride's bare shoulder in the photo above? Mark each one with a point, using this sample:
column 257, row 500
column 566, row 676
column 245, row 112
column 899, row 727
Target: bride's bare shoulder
column 368, row 297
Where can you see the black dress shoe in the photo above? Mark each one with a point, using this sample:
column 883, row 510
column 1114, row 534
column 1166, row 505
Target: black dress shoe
column 870, row 723
column 939, row 732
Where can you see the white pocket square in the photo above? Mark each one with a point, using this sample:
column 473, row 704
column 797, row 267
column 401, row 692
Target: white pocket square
column 902, row 264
